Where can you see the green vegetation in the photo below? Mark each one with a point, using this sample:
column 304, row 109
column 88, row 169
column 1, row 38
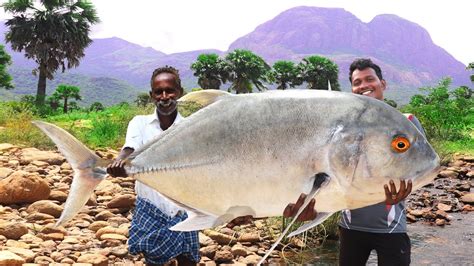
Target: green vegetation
column 211, row 71
column 245, row 69
column 447, row 117
column 65, row 92
column 316, row 71
column 5, row 61
column 284, row 73
column 54, row 35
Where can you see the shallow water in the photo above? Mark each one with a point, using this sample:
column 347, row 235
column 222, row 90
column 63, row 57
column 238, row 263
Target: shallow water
column 431, row 245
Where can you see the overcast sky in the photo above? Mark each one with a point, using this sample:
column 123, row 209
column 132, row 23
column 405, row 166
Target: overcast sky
column 178, row 25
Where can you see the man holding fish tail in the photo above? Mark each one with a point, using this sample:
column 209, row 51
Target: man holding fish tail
column 380, row 227
column 154, row 214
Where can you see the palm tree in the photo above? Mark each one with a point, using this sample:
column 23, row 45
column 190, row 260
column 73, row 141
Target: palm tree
column 66, row 92
column 245, row 69
column 5, row 78
column 316, row 71
column 53, row 33
column 211, row 71
column 284, row 74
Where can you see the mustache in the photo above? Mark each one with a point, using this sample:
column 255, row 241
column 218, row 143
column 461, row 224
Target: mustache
column 166, row 103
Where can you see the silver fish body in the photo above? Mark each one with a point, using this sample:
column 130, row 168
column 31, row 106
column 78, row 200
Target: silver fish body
column 253, row 154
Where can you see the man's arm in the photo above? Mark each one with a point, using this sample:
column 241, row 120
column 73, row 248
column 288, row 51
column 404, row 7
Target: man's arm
column 117, row 167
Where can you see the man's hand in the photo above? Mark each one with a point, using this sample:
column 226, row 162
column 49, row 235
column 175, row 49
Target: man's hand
column 392, row 196
column 308, row 214
column 117, row 168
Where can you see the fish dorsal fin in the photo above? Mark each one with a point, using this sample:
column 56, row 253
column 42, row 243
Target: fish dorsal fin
column 204, row 97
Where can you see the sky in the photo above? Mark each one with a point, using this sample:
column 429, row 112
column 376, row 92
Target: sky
column 187, row 25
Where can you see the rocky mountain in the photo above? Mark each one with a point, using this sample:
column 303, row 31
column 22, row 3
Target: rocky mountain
column 404, row 50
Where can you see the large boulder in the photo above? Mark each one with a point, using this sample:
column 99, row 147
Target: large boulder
column 23, row 187
column 29, row 155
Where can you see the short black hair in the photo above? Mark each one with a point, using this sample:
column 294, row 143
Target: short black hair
column 167, row 69
column 363, row 63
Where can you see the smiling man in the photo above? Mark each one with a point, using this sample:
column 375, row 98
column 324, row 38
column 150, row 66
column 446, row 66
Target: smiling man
column 154, row 214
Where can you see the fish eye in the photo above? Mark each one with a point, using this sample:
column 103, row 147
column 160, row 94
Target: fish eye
column 400, row 144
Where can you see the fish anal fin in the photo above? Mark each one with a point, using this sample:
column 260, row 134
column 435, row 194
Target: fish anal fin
column 198, row 220
column 195, row 221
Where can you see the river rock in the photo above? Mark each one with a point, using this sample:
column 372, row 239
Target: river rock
column 38, row 216
column 468, row 198
column 7, row 146
column 94, row 259
column 95, row 226
column 223, row 256
column 443, row 207
column 44, row 260
column 209, row 251
column 122, row 201
column 239, row 250
column 104, row 215
column 251, row 259
column 32, row 154
column 113, row 237
column 13, row 230
column 11, row 259
column 220, row 238
column 46, row 206
column 108, row 188
column 5, row 172
column 448, row 174
column 111, row 230
column 23, row 187
column 249, row 237
column 58, row 196
column 204, row 240
column 26, row 254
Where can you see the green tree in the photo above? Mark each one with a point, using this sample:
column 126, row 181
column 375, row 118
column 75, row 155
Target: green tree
column 5, row 61
column 66, row 92
column 245, row 69
column 96, row 106
column 211, row 70
column 316, row 71
column 443, row 113
column 53, row 33
column 284, row 73
column 143, row 99
column 471, row 67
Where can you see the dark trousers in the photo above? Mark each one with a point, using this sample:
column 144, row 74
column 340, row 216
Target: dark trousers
column 355, row 247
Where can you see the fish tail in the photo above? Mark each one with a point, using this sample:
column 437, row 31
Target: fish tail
column 88, row 168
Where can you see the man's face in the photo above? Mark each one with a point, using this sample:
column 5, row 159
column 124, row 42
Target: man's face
column 366, row 82
column 165, row 93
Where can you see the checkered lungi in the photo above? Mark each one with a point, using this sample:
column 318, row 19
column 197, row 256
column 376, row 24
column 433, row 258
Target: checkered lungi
column 149, row 234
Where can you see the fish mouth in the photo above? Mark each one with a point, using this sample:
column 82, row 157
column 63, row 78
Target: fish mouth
column 423, row 180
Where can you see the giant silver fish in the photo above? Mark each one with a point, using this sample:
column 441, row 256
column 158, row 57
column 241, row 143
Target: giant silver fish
column 253, row 154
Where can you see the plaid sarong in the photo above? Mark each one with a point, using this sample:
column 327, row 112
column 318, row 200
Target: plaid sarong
column 149, row 234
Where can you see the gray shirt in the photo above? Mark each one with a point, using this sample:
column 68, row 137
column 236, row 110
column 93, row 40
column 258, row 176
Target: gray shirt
column 380, row 217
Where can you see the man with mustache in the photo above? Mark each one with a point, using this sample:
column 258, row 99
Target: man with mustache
column 154, row 214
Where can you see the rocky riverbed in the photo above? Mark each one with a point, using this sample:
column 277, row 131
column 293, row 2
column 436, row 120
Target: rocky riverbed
column 34, row 185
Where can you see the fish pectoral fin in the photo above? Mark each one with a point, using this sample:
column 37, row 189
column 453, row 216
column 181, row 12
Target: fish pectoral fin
column 318, row 220
column 320, row 180
column 196, row 221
